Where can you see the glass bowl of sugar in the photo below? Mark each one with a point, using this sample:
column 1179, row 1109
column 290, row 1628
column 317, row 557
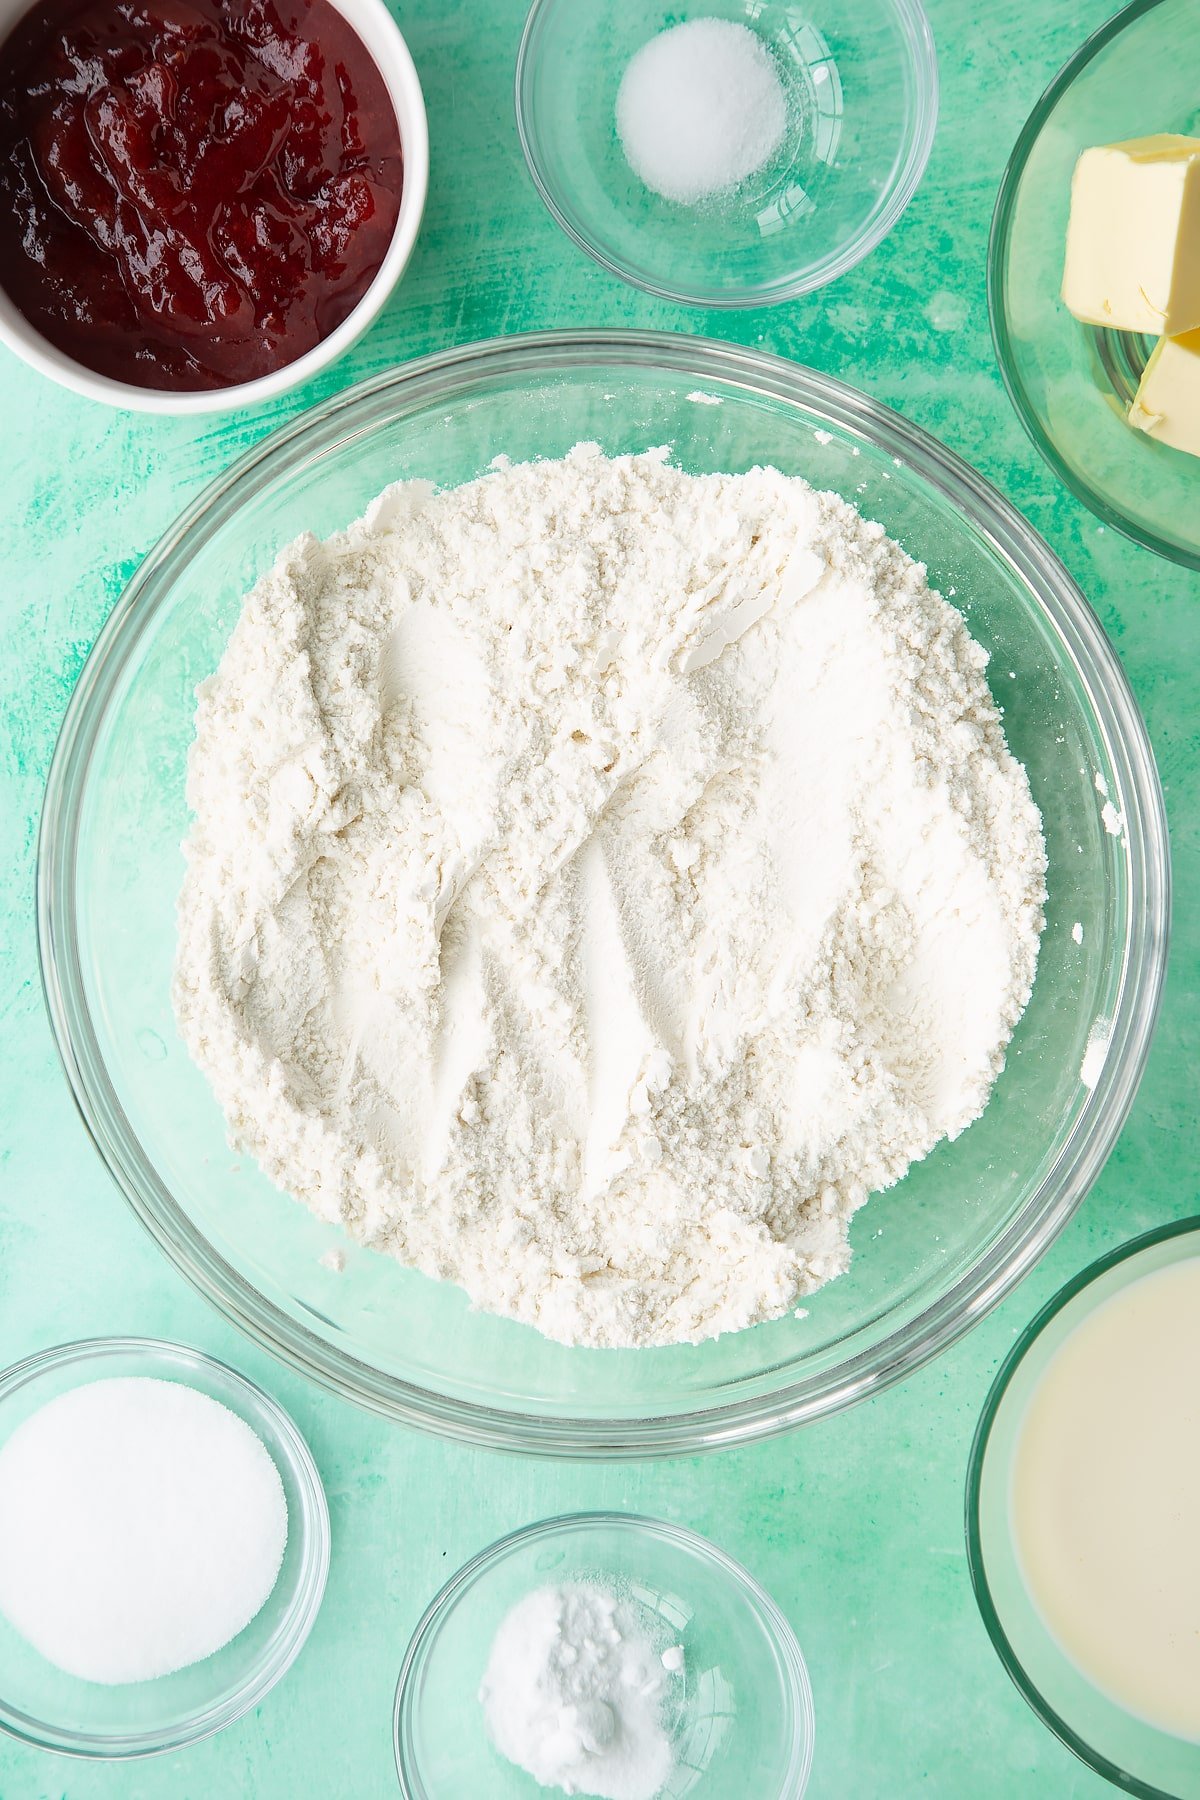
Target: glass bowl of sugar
column 173, row 1492
column 627, row 1616
column 731, row 152
column 1081, row 1508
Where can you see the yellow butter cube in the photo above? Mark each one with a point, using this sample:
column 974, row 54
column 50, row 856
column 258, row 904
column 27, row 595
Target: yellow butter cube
column 1133, row 241
column 1167, row 406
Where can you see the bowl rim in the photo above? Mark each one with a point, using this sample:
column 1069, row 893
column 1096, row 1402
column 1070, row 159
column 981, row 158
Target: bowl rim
column 905, row 179
column 403, row 84
column 999, row 239
column 311, row 1528
column 943, row 1320
column 976, row 1559
column 768, row 1611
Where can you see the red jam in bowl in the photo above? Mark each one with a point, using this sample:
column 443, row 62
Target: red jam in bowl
column 193, row 193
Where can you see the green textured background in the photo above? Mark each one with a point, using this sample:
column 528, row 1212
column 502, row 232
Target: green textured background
column 856, row 1525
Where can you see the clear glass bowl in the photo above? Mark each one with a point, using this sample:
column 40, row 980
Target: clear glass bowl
column 931, row 1255
column 54, row 1711
column 1124, row 1749
column 1072, row 383
column 742, row 1722
column 861, row 86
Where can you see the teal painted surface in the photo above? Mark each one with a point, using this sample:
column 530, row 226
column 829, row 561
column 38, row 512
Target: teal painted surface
column 855, row 1526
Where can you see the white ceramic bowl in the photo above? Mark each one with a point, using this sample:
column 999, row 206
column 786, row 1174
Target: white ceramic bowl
column 383, row 40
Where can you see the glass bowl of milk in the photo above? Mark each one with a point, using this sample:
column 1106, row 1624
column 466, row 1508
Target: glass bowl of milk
column 1083, row 1498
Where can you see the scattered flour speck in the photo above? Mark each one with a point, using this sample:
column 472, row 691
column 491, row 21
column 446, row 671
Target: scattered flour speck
column 1096, row 1053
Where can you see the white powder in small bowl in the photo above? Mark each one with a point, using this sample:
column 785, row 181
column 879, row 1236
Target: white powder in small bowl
column 142, row 1526
column 700, row 108
column 574, row 1693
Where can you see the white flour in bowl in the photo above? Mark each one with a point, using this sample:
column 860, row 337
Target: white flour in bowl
column 602, row 879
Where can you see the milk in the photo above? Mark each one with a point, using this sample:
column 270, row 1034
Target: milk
column 1106, row 1497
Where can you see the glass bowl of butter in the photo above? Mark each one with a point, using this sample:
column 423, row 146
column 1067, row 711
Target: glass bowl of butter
column 1104, row 366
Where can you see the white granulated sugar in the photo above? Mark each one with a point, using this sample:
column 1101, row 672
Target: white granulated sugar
column 142, row 1526
column 700, row 108
column 602, row 879
column 574, row 1693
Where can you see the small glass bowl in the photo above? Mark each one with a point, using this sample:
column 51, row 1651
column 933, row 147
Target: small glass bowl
column 862, row 93
column 52, row 1710
column 1072, row 383
column 1125, row 1749
column 743, row 1722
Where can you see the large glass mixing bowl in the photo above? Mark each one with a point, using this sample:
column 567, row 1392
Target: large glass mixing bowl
column 933, row 1254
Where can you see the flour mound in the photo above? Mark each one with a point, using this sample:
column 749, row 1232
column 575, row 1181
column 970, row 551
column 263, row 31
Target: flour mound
column 602, row 879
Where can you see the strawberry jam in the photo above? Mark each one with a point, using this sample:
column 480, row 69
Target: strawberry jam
column 193, row 193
